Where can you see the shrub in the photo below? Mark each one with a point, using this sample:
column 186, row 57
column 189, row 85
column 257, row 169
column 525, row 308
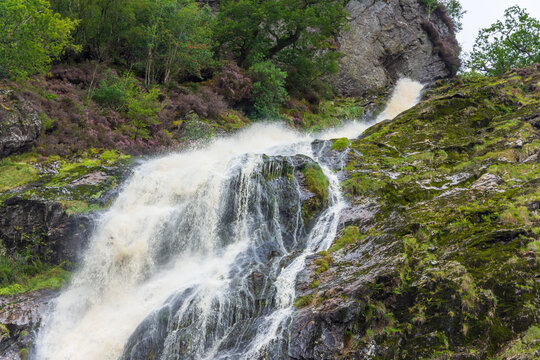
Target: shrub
column 142, row 112
column 430, row 5
column 206, row 103
column 114, row 92
column 268, row 91
column 233, row 83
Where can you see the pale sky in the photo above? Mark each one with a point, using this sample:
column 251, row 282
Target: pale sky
column 482, row 13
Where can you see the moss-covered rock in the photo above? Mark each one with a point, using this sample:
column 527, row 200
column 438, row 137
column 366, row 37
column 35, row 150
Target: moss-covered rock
column 446, row 264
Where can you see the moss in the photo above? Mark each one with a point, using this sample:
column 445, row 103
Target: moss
column 316, row 181
column 458, row 262
column 303, row 301
column 527, row 346
column 340, row 144
column 322, row 264
column 351, row 235
column 4, row 331
column 77, row 206
column 20, row 278
column 23, row 353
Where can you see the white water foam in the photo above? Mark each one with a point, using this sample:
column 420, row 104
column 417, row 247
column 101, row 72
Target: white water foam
column 120, row 282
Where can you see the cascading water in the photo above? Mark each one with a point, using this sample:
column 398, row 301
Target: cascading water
column 199, row 255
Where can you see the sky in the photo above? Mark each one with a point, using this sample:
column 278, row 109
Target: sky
column 482, row 13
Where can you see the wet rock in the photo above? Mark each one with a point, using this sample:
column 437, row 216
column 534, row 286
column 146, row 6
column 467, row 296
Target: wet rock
column 284, row 203
column 20, row 124
column 439, row 245
column 91, row 179
column 361, row 214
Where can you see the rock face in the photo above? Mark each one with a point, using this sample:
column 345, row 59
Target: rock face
column 20, row 124
column 21, row 316
column 390, row 39
column 43, row 228
column 439, row 252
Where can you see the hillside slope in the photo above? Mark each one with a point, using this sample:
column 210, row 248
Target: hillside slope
column 439, row 253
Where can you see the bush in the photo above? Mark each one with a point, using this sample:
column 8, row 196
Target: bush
column 233, row 83
column 206, row 103
column 142, row 112
column 268, row 91
column 114, row 92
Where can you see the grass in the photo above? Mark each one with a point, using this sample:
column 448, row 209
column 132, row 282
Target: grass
column 15, row 171
column 16, row 277
column 303, row 301
column 528, row 344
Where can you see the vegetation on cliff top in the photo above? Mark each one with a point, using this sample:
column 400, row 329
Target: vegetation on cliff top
column 514, row 43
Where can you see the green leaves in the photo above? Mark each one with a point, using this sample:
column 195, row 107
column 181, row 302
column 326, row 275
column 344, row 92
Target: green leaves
column 31, row 34
column 296, row 35
column 268, row 91
column 505, row 45
column 430, row 5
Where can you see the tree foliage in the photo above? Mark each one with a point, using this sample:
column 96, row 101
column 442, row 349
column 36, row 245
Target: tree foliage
column 268, row 91
column 505, row 45
column 159, row 39
column 296, row 35
column 455, row 11
column 31, row 35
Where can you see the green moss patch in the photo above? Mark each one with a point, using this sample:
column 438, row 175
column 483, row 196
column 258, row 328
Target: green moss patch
column 316, row 181
column 18, row 277
column 340, row 144
column 303, row 301
column 351, row 235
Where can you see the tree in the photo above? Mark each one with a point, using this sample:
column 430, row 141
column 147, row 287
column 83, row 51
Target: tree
column 296, row 35
column 505, row 45
column 158, row 39
column 177, row 40
column 455, row 11
column 103, row 24
column 268, row 91
column 31, row 35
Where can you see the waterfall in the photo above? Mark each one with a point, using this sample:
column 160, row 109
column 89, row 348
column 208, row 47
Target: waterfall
column 198, row 257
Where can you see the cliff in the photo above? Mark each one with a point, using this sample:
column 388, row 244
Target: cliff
column 387, row 40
